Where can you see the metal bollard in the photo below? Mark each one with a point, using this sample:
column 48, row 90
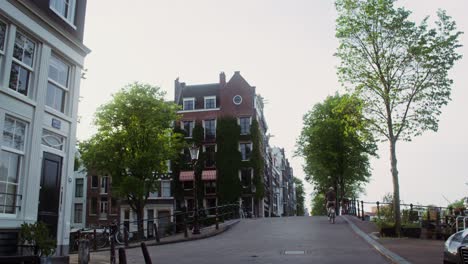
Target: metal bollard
column 185, row 227
column 216, row 219
column 122, row 256
column 125, row 236
column 358, row 210
column 145, row 253
column 83, row 251
column 362, row 210
column 156, row 233
column 378, row 209
column 112, row 248
column 94, row 240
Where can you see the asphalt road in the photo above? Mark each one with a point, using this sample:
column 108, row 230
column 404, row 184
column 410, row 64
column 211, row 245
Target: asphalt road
column 266, row 240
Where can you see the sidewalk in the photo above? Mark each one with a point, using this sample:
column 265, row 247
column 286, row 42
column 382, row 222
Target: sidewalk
column 411, row 249
column 102, row 256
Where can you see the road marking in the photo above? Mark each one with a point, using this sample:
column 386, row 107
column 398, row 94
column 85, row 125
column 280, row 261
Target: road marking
column 294, row 252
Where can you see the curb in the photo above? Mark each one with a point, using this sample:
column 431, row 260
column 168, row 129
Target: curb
column 221, row 230
column 395, row 258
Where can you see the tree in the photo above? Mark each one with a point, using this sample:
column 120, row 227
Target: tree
column 398, row 68
column 300, row 197
column 135, row 139
column 318, row 204
column 336, row 144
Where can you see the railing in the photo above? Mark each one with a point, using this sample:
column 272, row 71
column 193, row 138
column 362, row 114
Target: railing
column 441, row 219
column 154, row 229
column 15, row 199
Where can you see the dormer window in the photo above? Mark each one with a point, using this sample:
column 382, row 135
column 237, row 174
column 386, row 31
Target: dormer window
column 189, row 103
column 65, row 9
column 210, row 102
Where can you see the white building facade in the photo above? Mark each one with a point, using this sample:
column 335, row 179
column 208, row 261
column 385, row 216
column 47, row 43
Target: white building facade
column 41, row 61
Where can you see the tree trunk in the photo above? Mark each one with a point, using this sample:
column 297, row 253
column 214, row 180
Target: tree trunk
column 140, row 214
column 396, row 187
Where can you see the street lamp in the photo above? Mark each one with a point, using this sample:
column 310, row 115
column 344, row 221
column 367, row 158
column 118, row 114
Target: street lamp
column 194, row 151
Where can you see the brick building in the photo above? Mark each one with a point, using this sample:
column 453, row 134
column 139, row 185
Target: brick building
column 204, row 104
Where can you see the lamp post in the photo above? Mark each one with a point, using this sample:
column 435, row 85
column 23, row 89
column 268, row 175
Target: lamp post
column 194, row 151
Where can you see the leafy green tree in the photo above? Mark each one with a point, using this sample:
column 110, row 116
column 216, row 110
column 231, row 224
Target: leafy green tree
column 134, row 141
column 300, row 197
column 336, row 144
column 400, row 69
column 318, row 204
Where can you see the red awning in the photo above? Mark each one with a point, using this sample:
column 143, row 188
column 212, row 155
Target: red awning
column 186, row 176
column 208, row 175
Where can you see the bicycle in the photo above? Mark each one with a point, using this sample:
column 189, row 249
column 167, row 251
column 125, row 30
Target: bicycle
column 331, row 214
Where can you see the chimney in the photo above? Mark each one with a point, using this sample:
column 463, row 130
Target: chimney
column 222, row 79
column 237, row 73
column 177, row 90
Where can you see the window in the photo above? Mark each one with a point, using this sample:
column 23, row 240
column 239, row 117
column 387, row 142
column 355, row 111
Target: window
column 237, row 99
column 57, row 86
column 104, row 206
column 244, row 123
column 246, row 150
column 22, row 65
column 189, row 103
column 79, row 188
column 210, row 151
column 14, row 133
column 165, row 189
column 210, row 187
column 64, row 8
column 94, row 181
column 246, row 178
column 11, row 157
column 52, row 140
column 78, row 213
column 3, row 28
column 93, row 206
column 210, row 129
column 188, row 126
column 104, row 184
column 210, row 102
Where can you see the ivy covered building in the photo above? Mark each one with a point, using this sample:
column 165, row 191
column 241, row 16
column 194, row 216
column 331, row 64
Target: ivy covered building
column 226, row 120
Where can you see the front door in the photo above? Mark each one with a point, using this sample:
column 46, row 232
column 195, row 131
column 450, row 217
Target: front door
column 49, row 196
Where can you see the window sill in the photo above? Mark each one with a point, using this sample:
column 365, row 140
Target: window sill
column 58, row 114
column 198, row 110
column 18, row 96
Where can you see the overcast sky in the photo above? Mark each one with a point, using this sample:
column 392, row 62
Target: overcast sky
column 285, row 49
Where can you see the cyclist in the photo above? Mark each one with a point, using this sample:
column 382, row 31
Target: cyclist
column 331, row 198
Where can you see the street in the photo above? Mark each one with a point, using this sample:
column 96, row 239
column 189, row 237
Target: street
column 265, row 241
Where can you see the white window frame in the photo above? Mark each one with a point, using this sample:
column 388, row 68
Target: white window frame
column 2, row 51
column 65, row 89
column 82, row 187
column 215, row 127
column 75, row 215
column 240, row 149
column 104, row 189
column 70, row 16
column 170, row 189
column 251, row 176
column 188, row 99
column 250, row 123
column 53, row 134
column 215, row 150
column 28, row 68
column 206, row 98
column 21, row 153
column 190, row 133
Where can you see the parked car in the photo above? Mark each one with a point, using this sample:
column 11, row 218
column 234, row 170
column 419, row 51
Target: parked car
column 456, row 248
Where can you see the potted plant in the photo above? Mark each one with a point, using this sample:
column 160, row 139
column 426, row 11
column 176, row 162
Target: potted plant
column 37, row 236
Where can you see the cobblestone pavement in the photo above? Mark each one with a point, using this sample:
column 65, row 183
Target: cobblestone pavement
column 265, row 241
